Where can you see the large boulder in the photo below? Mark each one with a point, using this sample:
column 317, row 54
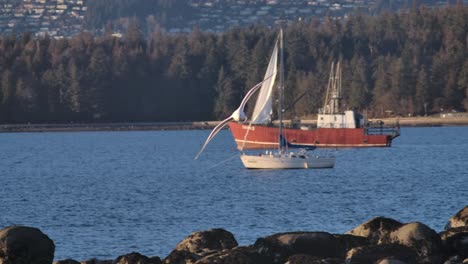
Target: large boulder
column 350, row 241
column 307, row 259
column 137, row 258
column 453, row 231
column 279, row 247
column 25, row 245
column 238, row 255
column 455, row 241
column 67, row 261
column 377, row 230
column 96, row 261
column 456, row 260
column 391, row 261
column 201, row 244
column 459, row 219
column 425, row 241
column 374, row 253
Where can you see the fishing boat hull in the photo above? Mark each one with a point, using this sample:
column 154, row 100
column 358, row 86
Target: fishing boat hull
column 287, row 162
column 266, row 137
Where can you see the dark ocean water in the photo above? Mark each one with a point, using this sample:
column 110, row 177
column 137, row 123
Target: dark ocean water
column 104, row 194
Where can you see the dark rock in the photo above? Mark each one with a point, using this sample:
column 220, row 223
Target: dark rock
column 456, row 244
column 377, row 230
column 307, row 259
column 390, row 261
column 454, row 260
column 459, row 219
column 67, row 261
column 238, row 255
column 22, row 244
column 425, row 241
column 137, row 258
column 201, row 244
column 181, row 257
column 452, row 231
column 213, row 239
column 96, row 261
column 374, row 253
column 351, row 241
column 279, row 247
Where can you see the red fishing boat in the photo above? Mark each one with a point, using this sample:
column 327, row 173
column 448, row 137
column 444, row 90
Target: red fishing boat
column 334, row 129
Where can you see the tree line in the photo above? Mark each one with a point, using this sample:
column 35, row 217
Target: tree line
column 407, row 63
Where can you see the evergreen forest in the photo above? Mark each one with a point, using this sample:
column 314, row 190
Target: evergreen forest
column 407, row 63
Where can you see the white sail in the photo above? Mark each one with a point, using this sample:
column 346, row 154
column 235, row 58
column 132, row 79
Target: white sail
column 237, row 115
column 263, row 106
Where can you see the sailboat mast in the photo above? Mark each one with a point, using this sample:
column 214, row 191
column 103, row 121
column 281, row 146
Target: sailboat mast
column 281, row 91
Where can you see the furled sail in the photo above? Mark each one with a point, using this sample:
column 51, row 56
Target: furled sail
column 263, row 106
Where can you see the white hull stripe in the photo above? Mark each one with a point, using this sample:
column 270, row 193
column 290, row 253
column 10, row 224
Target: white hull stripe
column 240, row 142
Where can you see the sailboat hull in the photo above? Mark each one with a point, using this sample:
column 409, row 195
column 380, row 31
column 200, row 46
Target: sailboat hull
column 266, row 137
column 286, row 162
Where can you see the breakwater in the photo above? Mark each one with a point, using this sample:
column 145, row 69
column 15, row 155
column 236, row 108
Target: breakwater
column 380, row 240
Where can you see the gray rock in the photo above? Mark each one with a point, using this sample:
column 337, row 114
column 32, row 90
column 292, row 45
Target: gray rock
column 377, row 230
column 137, row 258
column 201, row 244
column 28, row 245
column 374, row 253
column 425, row 241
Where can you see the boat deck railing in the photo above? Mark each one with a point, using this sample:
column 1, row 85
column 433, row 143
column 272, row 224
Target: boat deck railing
column 378, row 128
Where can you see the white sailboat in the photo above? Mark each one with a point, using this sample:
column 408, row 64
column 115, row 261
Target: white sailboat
column 284, row 157
column 292, row 160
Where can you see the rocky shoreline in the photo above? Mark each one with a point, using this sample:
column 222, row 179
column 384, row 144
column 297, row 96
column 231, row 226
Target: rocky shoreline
column 72, row 127
column 380, row 240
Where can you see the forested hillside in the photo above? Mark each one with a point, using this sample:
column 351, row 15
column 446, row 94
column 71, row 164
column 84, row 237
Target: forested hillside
column 395, row 62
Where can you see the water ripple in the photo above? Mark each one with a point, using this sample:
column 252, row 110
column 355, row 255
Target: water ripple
column 103, row 194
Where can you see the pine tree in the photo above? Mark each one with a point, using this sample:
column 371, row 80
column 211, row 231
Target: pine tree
column 463, row 84
column 74, row 91
column 7, row 92
column 422, row 94
column 384, row 100
column 98, row 81
column 359, row 96
column 225, row 101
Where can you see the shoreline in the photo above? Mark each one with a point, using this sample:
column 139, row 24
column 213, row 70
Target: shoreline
column 155, row 126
